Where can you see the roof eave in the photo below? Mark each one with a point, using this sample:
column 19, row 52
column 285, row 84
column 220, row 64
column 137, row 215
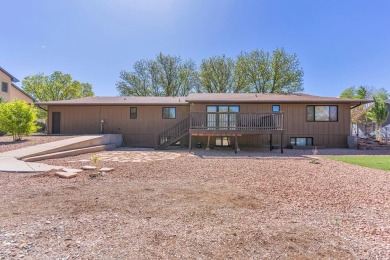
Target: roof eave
column 110, row 104
column 280, row 101
column 13, row 79
column 21, row 90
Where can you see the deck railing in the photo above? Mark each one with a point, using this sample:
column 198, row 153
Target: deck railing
column 236, row 121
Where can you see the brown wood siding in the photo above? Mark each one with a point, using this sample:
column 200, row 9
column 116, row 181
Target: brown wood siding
column 141, row 132
column 144, row 130
column 328, row 134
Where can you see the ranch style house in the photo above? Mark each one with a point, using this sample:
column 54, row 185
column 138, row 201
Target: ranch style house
column 209, row 120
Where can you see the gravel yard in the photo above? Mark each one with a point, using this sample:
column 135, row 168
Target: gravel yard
column 187, row 206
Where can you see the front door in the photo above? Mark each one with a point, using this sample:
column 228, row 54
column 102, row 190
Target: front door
column 56, row 117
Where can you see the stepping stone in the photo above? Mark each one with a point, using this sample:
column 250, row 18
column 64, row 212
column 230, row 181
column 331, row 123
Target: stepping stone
column 66, row 175
column 106, row 169
column 72, row 161
column 84, row 160
column 70, row 170
column 88, row 167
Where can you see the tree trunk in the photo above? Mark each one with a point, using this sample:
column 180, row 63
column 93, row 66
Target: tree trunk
column 379, row 132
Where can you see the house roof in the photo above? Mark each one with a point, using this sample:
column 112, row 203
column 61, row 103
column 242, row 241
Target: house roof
column 227, row 98
column 13, row 79
column 21, row 90
column 268, row 98
column 119, row 101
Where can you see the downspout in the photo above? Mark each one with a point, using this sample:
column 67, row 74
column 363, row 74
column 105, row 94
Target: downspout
column 41, row 107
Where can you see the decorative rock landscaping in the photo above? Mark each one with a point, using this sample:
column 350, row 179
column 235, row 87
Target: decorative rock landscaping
column 106, row 169
column 70, row 170
column 369, row 144
column 66, row 175
column 88, row 167
column 137, row 156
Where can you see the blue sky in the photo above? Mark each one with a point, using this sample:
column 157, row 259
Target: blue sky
column 339, row 43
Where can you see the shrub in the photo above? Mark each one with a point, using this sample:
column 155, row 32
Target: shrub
column 17, row 118
column 41, row 126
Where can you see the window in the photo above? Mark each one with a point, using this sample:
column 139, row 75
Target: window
column 133, row 113
column 222, row 141
column 322, row 113
column 275, row 108
column 169, row 112
column 301, row 141
column 4, row 86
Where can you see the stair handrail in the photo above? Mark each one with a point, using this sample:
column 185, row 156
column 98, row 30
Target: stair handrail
column 174, row 131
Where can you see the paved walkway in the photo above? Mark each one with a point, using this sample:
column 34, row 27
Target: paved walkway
column 10, row 164
column 47, row 147
column 9, row 160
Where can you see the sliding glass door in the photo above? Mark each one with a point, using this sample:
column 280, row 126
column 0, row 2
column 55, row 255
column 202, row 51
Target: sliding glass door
column 222, row 117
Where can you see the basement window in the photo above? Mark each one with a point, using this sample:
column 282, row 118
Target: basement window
column 133, row 113
column 301, row 141
column 222, row 141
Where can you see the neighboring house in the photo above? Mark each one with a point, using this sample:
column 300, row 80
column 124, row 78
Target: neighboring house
column 386, row 125
column 9, row 91
column 367, row 128
column 209, row 120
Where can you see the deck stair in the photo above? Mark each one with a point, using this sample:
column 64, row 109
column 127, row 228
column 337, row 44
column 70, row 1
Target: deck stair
column 173, row 133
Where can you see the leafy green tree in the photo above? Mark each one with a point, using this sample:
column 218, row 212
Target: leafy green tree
column 137, row 83
column 349, row 93
column 217, row 75
column 255, row 70
column 164, row 76
column 17, row 118
column 360, row 113
column 365, row 92
column 57, row 86
column 378, row 114
column 263, row 72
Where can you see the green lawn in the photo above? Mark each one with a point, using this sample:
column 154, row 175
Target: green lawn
column 381, row 162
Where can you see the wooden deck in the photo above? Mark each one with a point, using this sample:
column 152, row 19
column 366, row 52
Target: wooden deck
column 235, row 124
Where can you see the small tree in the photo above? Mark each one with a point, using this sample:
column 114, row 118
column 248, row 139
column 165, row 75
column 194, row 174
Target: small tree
column 17, row 118
column 378, row 114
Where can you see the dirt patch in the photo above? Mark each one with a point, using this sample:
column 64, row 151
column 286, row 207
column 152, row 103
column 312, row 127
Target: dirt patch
column 198, row 208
